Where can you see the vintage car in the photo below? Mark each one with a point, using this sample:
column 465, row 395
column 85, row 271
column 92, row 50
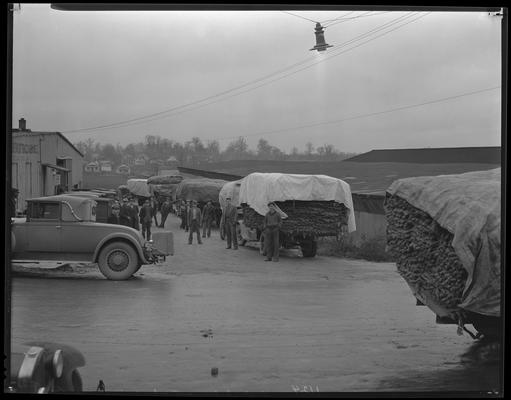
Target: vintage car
column 43, row 367
column 64, row 228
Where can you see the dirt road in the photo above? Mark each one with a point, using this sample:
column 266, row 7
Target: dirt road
column 322, row 324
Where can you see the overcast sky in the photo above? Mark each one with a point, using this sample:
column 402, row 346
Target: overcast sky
column 218, row 75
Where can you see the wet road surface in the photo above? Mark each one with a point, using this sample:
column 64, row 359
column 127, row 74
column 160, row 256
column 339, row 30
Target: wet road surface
column 323, row 324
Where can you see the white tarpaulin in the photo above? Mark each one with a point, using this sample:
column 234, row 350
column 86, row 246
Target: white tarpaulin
column 139, row 187
column 258, row 189
column 232, row 190
column 468, row 206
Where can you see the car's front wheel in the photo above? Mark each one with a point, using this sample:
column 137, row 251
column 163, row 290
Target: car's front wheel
column 118, row 261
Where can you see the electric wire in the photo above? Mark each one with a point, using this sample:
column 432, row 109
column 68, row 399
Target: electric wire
column 365, row 115
column 299, row 16
column 152, row 117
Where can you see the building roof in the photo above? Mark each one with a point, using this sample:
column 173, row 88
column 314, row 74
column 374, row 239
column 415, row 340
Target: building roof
column 17, row 132
column 484, row 155
column 363, row 177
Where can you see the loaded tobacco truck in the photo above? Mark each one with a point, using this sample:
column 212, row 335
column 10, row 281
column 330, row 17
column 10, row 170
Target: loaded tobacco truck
column 164, row 186
column 444, row 234
column 313, row 206
column 201, row 190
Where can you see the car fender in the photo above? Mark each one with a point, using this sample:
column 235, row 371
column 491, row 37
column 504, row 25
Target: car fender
column 123, row 237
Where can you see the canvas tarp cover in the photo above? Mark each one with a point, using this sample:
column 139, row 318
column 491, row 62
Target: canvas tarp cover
column 164, row 179
column 201, row 190
column 165, row 190
column 139, row 187
column 232, row 190
column 468, row 206
column 258, row 189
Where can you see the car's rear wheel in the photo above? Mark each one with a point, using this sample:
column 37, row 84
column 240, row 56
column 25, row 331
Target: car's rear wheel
column 118, row 261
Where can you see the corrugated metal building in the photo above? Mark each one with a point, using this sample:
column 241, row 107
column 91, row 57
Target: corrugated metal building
column 43, row 163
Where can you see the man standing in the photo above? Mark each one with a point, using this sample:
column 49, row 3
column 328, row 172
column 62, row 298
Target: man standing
column 116, row 217
column 229, row 219
column 187, row 213
column 194, row 219
column 154, row 206
column 272, row 224
column 125, row 211
column 146, row 216
column 165, row 210
column 134, row 213
column 207, row 218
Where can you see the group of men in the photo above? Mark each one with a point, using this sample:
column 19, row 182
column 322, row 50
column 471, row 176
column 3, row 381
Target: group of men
column 192, row 219
column 269, row 236
column 128, row 213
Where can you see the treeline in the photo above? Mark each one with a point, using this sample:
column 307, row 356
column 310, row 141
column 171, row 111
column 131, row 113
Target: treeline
column 195, row 153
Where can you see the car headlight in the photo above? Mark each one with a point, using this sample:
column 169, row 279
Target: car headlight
column 58, row 363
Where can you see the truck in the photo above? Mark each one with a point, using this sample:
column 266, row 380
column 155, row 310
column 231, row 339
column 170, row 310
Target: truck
column 201, row 190
column 311, row 206
column 444, row 233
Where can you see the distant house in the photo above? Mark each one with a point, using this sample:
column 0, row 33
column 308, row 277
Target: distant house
column 92, row 167
column 141, row 160
column 105, row 166
column 123, row 169
column 172, row 162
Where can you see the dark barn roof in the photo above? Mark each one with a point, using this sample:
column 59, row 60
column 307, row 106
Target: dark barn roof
column 473, row 155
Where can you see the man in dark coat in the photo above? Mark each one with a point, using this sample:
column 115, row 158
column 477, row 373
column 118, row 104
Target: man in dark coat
column 208, row 214
column 126, row 212
column 117, row 218
column 165, row 210
column 229, row 220
column 272, row 224
column 194, row 221
column 146, row 217
column 133, row 207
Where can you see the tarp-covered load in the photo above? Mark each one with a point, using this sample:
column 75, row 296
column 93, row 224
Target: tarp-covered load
column 232, row 190
column 139, row 187
column 165, row 190
column 164, row 180
column 311, row 199
column 444, row 232
column 201, row 189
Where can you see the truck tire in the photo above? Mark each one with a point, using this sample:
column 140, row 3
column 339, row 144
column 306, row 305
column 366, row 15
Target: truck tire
column 309, row 248
column 76, row 378
column 118, row 261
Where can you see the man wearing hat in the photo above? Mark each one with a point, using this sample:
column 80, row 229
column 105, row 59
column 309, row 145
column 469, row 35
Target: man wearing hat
column 146, row 216
column 207, row 218
column 125, row 211
column 229, row 219
column 271, row 226
column 194, row 220
column 116, row 217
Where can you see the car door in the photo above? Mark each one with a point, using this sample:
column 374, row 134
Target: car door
column 43, row 227
column 77, row 237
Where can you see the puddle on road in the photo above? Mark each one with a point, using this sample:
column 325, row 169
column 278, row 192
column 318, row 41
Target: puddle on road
column 478, row 370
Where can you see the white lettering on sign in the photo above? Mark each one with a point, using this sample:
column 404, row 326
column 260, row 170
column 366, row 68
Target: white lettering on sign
column 24, row 148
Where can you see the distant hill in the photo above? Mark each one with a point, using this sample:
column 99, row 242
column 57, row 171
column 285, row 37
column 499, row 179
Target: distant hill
column 362, row 176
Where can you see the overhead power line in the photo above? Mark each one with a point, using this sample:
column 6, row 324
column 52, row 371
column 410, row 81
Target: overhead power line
column 299, row 16
column 360, row 116
column 182, row 108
